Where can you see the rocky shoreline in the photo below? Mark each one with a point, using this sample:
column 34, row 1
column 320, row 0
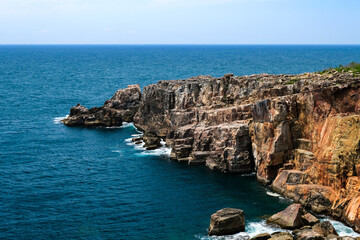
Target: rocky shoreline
column 297, row 223
column 299, row 133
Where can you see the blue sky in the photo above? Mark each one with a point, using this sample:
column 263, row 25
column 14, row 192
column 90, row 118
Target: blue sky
column 179, row 22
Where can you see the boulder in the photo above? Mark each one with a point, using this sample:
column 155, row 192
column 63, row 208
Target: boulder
column 261, row 236
column 308, row 234
column 325, row 228
column 281, row 236
column 290, row 218
column 151, row 141
column 227, row 221
column 310, row 219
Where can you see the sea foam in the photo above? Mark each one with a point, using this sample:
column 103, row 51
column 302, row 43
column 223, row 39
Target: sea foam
column 57, row 120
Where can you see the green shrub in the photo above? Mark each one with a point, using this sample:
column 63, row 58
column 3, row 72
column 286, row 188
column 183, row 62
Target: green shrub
column 353, row 66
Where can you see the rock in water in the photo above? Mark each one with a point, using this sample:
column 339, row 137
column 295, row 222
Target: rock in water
column 290, row 218
column 325, row 228
column 121, row 107
column 227, row 221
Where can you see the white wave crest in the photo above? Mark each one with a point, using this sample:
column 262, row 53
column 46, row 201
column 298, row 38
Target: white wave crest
column 238, row 236
column 252, row 229
column 124, row 125
column 255, row 228
column 57, row 120
column 273, row 194
column 162, row 151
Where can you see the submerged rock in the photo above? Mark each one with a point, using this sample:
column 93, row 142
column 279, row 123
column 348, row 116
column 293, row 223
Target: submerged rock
column 227, row 221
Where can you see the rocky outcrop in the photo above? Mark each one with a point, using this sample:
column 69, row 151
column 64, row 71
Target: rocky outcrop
column 290, row 218
column 300, row 133
column 293, row 217
column 227, row 221
column 121, row 107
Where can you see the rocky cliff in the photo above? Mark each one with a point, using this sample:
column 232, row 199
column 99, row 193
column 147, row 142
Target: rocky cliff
column 121, row 107
column 300, row 133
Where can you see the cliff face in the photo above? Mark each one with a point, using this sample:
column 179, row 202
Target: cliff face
column 300, row 133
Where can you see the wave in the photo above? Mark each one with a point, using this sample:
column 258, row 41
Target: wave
column 252, row 229
column 273, row 194
column 57, row 120
column 162, row 151
column 342, row 229
column 124, row 125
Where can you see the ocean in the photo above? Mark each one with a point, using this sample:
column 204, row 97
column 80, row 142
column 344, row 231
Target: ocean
column 59, row 182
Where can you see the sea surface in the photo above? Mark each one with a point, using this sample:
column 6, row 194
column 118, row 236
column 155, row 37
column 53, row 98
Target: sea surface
column 58, row 182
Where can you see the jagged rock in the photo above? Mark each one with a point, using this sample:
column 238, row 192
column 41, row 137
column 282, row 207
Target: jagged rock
column 261, row 236
column 227, row 221
column 325, row 228
column 151, row 140
column 121, row 107
column 287, row 177
column 136, row 139
column 310, row 219
column 290, row 218
column 281, row 236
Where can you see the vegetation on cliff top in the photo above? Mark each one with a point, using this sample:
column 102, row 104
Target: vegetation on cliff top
column 351, row 67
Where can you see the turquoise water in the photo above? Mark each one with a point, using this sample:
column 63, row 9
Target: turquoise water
column 75, row 183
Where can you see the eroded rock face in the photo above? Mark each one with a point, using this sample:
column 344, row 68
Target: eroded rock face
column 227, row 221
column 121, row 107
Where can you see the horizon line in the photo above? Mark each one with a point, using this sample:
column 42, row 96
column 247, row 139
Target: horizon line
column 179, row 44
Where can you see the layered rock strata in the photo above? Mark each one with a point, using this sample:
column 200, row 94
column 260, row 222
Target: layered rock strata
column 300, row 133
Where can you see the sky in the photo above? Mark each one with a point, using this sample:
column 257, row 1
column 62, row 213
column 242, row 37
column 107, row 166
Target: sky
column 179, row 22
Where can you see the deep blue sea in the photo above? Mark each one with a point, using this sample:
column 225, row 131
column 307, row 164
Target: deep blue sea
column 58, row 182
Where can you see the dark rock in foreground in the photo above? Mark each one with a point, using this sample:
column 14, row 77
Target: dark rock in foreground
column 281, row 236
column 261, row 236
column 227, row 221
